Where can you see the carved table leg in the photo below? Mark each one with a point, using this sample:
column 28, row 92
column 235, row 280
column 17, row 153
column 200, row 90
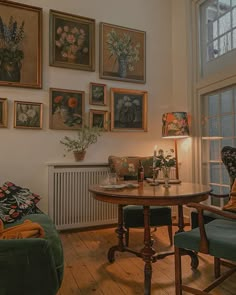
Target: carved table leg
column 147, row 252
column 120, row 234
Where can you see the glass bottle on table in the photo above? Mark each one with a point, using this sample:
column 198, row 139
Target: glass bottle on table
column 140, row 172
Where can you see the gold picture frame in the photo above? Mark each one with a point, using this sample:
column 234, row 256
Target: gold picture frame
column 21, row 54
column 3, row 112
column 28, row 115
column 97, row 94
column 128, row 110
column 98, row 118
column 66, row 109
column 122, row 53
column 79, row 52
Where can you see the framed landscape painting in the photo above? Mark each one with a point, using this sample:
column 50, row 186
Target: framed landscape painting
column 28, row 115
column 66, row 109
column 3, row 112
column 20, row 45
column 98, row 94
column 128, row 110
column 72, row 41
column 98, row 118
column 122, row 53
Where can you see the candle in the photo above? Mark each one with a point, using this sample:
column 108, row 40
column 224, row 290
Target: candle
column 154, row 157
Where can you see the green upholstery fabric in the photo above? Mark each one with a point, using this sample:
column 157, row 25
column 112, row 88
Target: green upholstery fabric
column 223, row 247
column 32, row 266
column 133, row 216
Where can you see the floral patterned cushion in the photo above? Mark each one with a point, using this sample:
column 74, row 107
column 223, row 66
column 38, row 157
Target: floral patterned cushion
column 228, row 156
column 125, row 166
column 16, row 202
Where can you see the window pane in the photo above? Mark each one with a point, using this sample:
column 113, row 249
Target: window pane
column 227, row 101
column 233, row 2
column 213, row 105
column 225, row 43
column 234, row 17
column 224, row 5
column 214, row 129
column 227, row 123
column 224, row 23
column 214, row 150
column 227, row 141
column 215, row 29
column 225, row 176
column 214, row 173
column 211, row 11
column 234, row 38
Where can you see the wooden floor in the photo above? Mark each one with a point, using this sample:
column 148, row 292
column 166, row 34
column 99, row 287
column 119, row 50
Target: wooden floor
column 87, row 270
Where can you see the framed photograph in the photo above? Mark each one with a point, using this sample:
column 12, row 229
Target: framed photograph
column 28, row 115
column 66, row 109
column 122, row 53
column 20, row 45
column 72, row 41
column 99, row 118
column 98, row 94
column 128, row 110
column 3, row 112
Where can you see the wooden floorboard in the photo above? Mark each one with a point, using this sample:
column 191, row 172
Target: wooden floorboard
column 87, row 270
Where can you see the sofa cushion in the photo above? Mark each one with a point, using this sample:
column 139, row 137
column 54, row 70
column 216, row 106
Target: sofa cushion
column 16, row 202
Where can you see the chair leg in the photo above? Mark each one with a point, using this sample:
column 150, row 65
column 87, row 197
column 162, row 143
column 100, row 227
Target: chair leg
column 217, row 267
column 178, row 272
column 170, row 234
column 127, row 237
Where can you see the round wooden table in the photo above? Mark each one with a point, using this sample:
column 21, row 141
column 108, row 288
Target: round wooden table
column 146, row 196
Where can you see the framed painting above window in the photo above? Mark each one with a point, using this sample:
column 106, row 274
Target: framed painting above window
column 128, row 110
column 28, row 115
column 98, row 94
column 66, row 109
column 122, row 53
column 72, row 41
column 98, row 118
column 3, row 112
column 20, row 45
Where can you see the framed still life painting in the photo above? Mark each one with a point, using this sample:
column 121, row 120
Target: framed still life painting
column 98, row 94
column 3, row 112
column 66, row 109
column 20, row 45
column 99, row 118
column 122, row 53
column 72, row 41
column 128, row 110
column 28, row 115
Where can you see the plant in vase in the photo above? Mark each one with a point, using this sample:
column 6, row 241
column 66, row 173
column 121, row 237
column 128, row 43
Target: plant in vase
column 164, row 161
column 85, row 137
column 11, row 55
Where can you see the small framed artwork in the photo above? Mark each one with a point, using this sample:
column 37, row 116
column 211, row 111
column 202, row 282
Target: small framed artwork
column 98, row 94
column 122, row 53
column 99, row 118
column 66, row 109
column 128, row 110
column 20, row 45
column 3, row 112
column 72, row 41
column 28, row 115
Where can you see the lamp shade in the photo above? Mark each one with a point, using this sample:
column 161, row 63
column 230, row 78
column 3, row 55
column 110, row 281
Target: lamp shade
column 175, row 125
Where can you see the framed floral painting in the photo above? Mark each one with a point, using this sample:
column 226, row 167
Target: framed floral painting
column 98, row 94
column 128, row 110
column 98, row 118
column 66, row 109
column 72, row 41
column 28, row 115
column 20, row 45
column 3, row 112
column 122, row 53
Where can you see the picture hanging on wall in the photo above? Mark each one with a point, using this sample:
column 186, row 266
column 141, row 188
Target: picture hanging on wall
column 28, row 115
column 122, row 53
column 128, row 110
column 3, row 112
column 20, row 45
column 99, row 118
column 66, row 109
column 98, row 94
column 72, row 41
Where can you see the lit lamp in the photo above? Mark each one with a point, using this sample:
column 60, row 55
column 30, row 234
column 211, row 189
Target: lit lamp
column 174, row 126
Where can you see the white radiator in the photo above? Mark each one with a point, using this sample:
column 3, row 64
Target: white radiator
column 71, row 205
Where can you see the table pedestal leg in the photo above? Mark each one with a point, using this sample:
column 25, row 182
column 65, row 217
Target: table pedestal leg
column 120, row 234
column 147, row 252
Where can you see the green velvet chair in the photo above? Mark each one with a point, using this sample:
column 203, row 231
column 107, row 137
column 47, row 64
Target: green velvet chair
column 216, row 238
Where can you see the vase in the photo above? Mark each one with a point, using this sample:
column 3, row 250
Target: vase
column 79, row 155
column 10, row 71
column 122, row 67
column 166, row 176
column 64, row 114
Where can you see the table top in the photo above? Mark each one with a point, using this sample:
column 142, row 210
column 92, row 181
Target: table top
column 145, row 194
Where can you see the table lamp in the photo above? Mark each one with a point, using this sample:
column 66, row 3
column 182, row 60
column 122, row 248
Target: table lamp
column 175, row 126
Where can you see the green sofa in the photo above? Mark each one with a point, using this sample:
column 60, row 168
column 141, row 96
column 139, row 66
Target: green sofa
column 28, row 266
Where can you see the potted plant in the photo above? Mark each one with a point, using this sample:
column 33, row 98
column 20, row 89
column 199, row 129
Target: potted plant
column 85, row 136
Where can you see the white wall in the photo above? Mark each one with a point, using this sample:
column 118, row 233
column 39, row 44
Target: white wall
column 25, row 153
